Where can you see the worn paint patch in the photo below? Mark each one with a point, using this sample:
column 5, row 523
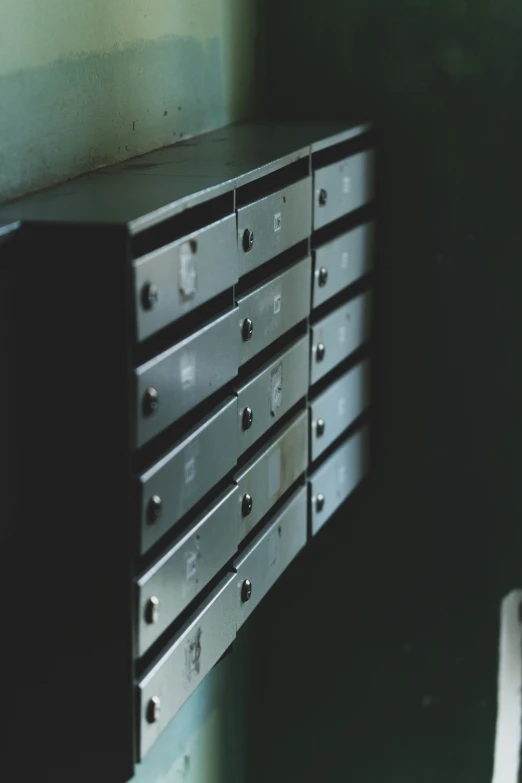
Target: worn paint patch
column 72, row 116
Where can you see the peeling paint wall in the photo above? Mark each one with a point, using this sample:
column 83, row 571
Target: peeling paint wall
column 91, row 83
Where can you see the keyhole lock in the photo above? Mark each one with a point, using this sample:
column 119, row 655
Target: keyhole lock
column 154, row 509
column 247, row 330
column 319, row 502
column 154, row 710
column 320, row 427
column 248, row 418
column 323, row 197
column 246, row 590
column 150, row 401
column 246, row 505
column 149, row 296
column 248, row 240
column 152, row 610
column 323, row 276
column 320, row 352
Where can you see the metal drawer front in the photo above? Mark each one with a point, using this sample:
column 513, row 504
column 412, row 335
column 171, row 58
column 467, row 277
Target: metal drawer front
column 192, row 654
column 195, row 558
column 185, row 375
column 270, row 554
column 277, row 222
column 177, row 278
column 274, row 308
column 342, row 187
column 269, row 394
column 268, row 475
column 341, row 262
column 334, row 481
column 188, row 472
column 337, row 407
column 339, row 334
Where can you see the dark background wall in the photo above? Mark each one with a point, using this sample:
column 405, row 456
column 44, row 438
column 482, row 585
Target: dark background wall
column 376, row 657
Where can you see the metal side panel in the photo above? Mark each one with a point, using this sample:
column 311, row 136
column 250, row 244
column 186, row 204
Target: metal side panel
column 274, row 223
column 339, row 334
column 171, row 384
column 181, row 668
column 182, row 477
column 271, row 392
column 338, row 407
column 177, row 278
column 273, row 308
column 334, row 481
column 271, row 472
column 341, row 262
column 342, row 187
column 168, row 587
column 270, row 554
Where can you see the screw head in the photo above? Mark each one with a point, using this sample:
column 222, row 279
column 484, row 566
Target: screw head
column 153, row 710
column 150, row 401
column 248, row 240
column 323, row 276
column 154, row 509
column 319, row 427
column 246, row 505
column 247, row 330
column 246, row 590
column 152, row 610
column 248, row 418
column 319, row 502
column 323, row 197
column 149, row 296
column 320, row 352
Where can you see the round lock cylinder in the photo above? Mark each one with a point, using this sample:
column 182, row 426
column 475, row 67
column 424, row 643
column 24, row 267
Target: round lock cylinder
column 323, row 276
column 247, row 330
column 248, row 240
column 319, row 502
column 246, row 590
column 152, row 610
column 320, row 352
column 248, row 418
column 150, row 401
column 149, row 296
column 246, row 505
column 154, row 509
column 320, row 427
column 154, row 710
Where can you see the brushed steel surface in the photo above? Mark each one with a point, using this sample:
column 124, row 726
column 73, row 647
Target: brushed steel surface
column 338, row 406
column 274, row 307
column 337, row 478
column 273, row 470
column 271, row 552
column 188, row 659
column 349, row 184
column 186, row 374
column 278, row 222
column 272, row 391
column 186, row 273
column 188, row 566
column 345, row 259
column 341, row 333
column 189, row 471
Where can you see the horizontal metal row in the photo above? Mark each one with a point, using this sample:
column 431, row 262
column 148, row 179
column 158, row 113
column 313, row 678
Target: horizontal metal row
column 210, row 543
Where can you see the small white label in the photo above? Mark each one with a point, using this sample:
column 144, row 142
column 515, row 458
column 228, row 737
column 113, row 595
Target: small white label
column 274, row 474
column 190, row 470
column 342, row 334
column 277, row 304
column 187, row 270
column 191, row 563
column 341, row 406
column 188, row 371
column 277, row 222
column 346, row 185
column 345, row 259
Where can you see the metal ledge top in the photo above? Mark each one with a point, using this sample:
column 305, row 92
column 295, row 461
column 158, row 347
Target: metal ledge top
column 146, row 190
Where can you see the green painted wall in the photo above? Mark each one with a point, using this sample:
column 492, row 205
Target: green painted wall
column 384, row 658
column 90, row 83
